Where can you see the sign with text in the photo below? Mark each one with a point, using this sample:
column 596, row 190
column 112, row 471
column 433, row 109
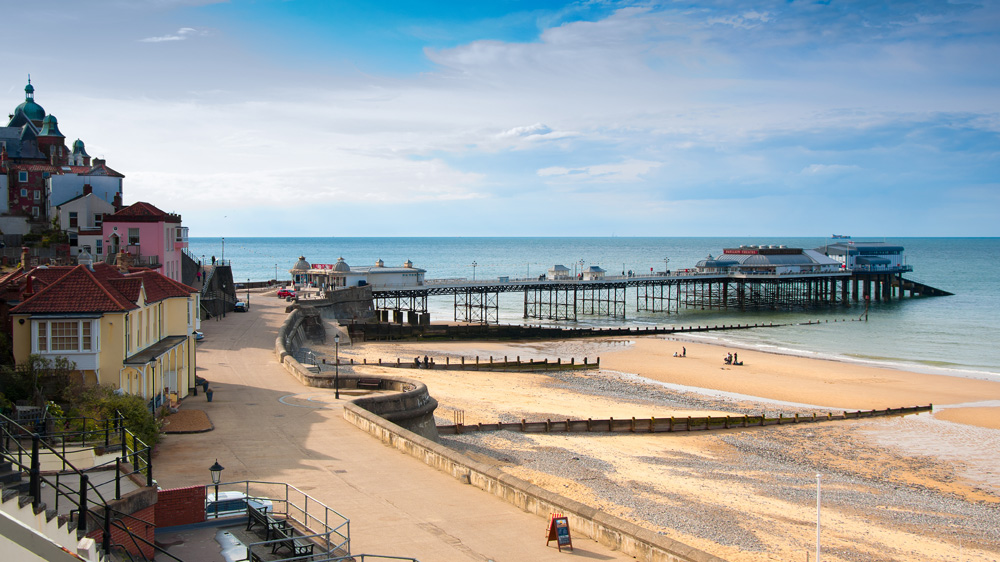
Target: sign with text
column 559, row 532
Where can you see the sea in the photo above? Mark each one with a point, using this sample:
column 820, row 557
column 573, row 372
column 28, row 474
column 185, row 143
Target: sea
column 955, row 335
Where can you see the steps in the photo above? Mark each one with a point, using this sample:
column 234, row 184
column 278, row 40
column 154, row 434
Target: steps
column 16, row 503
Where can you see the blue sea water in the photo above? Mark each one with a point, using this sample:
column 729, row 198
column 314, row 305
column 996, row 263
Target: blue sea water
column 954, row 335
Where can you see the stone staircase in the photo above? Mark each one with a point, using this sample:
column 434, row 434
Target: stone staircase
column 17, row 505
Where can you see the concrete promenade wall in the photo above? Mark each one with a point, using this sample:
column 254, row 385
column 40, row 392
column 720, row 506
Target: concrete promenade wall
column 410, row 406
column 644, row 545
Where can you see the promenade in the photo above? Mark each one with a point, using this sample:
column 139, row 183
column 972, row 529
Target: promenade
column 269, row 427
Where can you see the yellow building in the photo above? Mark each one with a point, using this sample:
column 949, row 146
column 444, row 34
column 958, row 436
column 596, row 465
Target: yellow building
column 133, row 331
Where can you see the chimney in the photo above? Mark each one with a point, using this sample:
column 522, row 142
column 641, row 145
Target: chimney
column 124, row 261
column 28, row 289
column 25, row 257
column 87, row 189
column 117, row 203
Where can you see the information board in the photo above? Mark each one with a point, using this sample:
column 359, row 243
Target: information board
column 559, row 532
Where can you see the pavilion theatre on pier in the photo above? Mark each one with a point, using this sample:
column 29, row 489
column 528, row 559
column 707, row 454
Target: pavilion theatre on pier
column 329, row 276
column 750, row 277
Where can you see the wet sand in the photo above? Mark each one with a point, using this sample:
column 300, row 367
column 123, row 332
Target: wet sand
column 914, row 488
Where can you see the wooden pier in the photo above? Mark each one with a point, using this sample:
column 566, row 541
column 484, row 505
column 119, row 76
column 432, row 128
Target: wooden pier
column 479, row 301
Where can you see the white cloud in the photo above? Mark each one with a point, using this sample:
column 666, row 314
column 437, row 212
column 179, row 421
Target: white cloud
column 829, row 169
column 627, row 171
column 182, row 34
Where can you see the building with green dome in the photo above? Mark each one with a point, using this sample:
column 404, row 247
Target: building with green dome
column 38, row 172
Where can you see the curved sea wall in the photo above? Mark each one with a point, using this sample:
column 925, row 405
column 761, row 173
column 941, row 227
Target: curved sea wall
column 410, row 406
column 643, row 544
column 405, row 420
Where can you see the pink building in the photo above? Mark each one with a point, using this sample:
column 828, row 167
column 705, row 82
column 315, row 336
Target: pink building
column 152, row 238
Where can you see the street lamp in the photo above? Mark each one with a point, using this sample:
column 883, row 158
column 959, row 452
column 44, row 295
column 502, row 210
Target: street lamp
column 666, row 265
column 248, row 294
column 223, row 249
column 275, row 274
column 474, row 264
column 336, row 372
column 216, row 471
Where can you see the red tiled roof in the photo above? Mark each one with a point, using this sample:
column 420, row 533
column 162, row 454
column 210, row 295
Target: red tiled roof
column 159, row 286
column 78, row 291
column 129, row 288
column 102, row 169
column 141, row 212
column 35, row 168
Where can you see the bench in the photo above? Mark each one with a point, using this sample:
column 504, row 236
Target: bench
column 371, row 384
column 296, row 546
column 259, row 516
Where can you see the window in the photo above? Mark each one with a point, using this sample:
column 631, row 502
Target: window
column 24, row 192
column 65, row 335
column 133, row 237
column 73, row 240
column 98, row 219
column 34, row 212
column 22, row 177
column 38, row 195
column 100, row 246
column 74, row 221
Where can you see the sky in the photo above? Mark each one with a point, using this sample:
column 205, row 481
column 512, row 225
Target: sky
column 517, row 118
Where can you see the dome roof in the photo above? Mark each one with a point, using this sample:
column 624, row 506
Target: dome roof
column 31, row 109
column 301, row 265
column 50, row 127
column 78, row 148
column 341, row 265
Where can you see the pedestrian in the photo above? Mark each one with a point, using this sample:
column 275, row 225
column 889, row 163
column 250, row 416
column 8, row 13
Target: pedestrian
column 416, row 362
column 427, row 364
column 736, row 358
column 684, row 352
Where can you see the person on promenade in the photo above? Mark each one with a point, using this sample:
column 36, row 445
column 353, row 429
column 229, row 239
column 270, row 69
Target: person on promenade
column 427, row 364
column 416, row 362
column 684, row 352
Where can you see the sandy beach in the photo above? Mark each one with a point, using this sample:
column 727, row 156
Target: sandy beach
column 913, row 488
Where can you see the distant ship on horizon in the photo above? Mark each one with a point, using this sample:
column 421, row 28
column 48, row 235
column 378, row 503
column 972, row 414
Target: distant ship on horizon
column 840, row 236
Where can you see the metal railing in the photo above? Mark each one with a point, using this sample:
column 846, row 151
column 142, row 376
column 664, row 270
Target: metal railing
column 321, row 524
column 87, row 495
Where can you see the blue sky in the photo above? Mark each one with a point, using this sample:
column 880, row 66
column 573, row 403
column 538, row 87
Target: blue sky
column 514, row 118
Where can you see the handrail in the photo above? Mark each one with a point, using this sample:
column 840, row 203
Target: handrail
column 78, row 498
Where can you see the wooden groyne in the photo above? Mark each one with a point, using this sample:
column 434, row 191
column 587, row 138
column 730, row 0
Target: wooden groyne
column 671, row 424
column 490, row 364
column 383, row 331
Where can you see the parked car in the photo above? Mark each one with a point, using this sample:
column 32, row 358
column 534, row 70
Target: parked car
column 198, row 336
column 233, row 503
column 285, row 293
column 241, row 306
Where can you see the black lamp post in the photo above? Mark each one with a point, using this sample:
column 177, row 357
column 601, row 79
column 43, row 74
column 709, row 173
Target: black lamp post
column 216, row 471
column 248, row 294
column 336, row 372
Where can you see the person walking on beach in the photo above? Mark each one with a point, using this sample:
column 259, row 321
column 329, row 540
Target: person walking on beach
column 736, row 358
column 684, row 351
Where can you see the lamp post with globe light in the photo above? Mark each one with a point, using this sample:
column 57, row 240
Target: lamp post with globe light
column 216, row 471
column 336, row 367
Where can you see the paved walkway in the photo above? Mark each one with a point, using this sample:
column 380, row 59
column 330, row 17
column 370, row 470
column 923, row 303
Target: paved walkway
column 269, row 427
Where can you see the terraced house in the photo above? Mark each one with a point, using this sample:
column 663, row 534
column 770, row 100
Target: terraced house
column 131, row 330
